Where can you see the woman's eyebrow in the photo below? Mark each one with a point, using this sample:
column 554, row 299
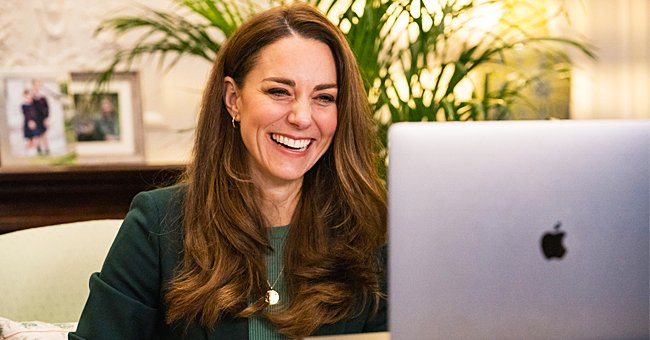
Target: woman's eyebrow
column 325, row 86
column 292, row 83
column 281, row 81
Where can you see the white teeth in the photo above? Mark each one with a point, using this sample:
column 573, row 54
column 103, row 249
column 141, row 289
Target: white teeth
column 299, row 144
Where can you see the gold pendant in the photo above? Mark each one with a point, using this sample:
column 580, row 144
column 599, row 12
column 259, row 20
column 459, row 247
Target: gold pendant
column 272, row 297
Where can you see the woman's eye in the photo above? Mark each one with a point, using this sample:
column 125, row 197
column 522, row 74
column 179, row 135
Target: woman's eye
column 277, row 92
column 326, row 98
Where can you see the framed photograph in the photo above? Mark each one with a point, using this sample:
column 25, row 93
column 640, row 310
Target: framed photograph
column 107, row 121
column 32, row 119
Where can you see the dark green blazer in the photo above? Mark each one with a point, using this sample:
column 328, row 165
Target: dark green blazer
column 126, row 297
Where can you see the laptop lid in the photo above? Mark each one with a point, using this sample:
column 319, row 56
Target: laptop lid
column 519, row 229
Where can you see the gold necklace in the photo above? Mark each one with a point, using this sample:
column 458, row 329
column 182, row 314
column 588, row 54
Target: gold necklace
column 272, row 296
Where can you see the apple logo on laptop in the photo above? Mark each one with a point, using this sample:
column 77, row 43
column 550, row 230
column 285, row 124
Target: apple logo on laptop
column 552, row 246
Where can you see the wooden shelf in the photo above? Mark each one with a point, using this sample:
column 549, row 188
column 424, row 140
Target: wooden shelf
column 38, row 196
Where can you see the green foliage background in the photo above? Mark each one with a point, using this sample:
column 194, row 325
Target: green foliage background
column 421, row 60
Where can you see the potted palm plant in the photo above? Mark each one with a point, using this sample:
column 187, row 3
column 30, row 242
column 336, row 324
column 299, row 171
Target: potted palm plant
column 421, row 60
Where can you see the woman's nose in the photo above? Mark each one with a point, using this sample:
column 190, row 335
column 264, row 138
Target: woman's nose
column 300, row 115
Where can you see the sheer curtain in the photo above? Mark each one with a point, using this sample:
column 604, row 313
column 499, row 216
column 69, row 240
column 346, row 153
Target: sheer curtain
column 617, row 85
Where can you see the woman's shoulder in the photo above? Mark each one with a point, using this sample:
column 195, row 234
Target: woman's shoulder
column 161, row 208
column 166, row 198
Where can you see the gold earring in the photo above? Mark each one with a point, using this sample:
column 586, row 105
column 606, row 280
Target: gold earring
column 233, row 122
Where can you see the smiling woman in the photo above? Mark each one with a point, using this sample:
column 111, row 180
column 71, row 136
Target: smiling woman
column 282, row 220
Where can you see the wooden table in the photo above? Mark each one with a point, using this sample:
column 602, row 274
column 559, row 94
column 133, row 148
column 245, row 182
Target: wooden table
column 38, row 196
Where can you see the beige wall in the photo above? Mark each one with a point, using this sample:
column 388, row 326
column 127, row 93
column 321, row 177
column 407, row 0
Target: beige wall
column 57, row 35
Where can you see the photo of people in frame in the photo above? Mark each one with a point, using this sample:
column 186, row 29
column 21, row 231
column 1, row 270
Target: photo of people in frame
column 105, row 122
column 97, row 117
column 34, row 117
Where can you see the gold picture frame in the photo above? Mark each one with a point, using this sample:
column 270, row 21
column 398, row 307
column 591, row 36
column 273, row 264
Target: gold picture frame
column 107, row 124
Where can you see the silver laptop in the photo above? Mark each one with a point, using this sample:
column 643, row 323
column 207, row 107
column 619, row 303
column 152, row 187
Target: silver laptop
column 519, row 230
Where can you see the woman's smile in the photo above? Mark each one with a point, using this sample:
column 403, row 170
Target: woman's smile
column 294, row 144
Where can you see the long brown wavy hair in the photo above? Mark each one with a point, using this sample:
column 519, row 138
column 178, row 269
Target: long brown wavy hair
column 331, row 267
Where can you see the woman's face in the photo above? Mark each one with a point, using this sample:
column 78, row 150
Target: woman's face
column 286, row 108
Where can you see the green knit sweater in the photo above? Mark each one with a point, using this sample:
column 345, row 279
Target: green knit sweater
column 259, row 328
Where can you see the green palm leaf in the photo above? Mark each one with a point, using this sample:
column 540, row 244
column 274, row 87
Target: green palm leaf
column 414, row 55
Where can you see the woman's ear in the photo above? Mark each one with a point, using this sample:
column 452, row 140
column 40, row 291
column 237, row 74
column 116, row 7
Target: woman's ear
column 231, row 97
